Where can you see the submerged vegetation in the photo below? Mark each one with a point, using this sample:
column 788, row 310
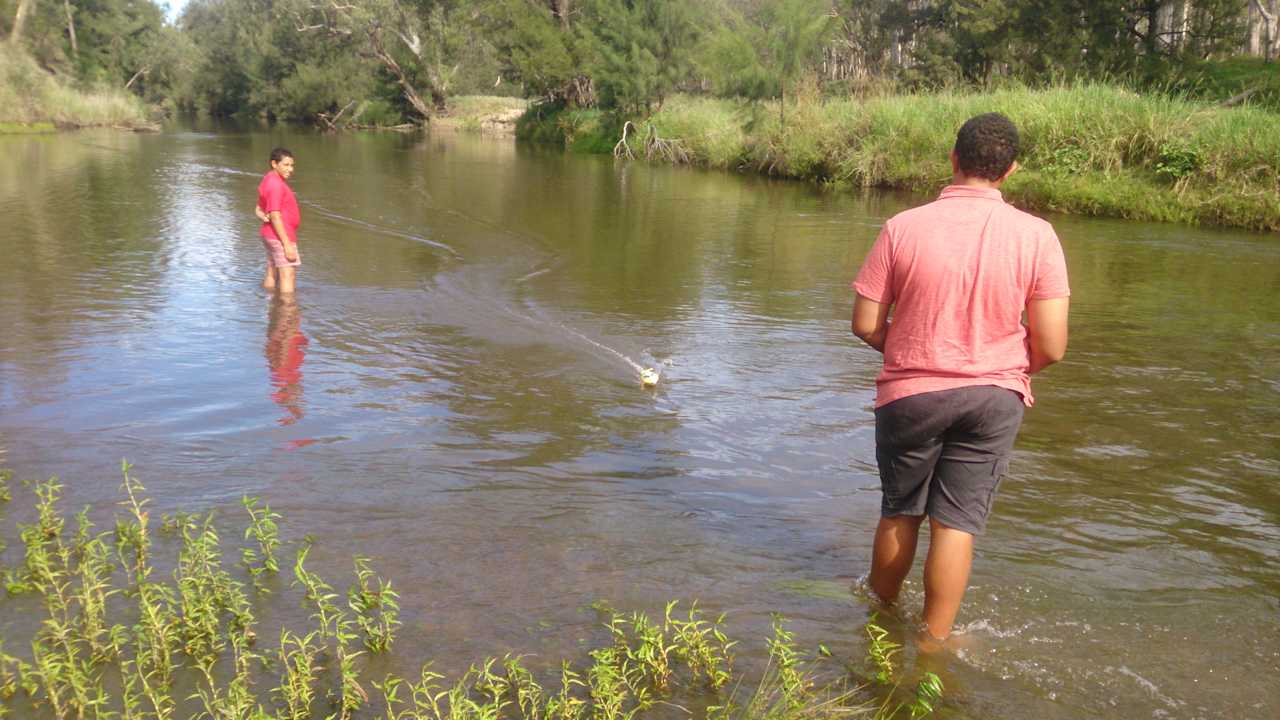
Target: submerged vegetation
column 1089, row 148
column 118, row 640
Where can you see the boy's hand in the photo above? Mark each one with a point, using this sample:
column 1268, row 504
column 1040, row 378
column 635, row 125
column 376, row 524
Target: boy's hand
column 290, row 252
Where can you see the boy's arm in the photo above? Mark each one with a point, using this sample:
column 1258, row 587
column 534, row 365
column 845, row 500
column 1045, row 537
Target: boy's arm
column 870, row 321
column 277, row 224
column 262, row 216
column 1047, row 336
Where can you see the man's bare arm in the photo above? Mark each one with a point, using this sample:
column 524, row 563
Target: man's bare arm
column 870, row 321
column 1047, row 325
column 262, row 216
column 277, row 224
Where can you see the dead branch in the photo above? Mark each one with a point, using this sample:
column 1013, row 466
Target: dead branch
column 622, row 149
column 672, row 150
column 1238, row 98
column 331, row 124
column 145, row 70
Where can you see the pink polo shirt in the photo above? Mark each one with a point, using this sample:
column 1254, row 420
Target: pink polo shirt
column 959, row 272
column 275, row 195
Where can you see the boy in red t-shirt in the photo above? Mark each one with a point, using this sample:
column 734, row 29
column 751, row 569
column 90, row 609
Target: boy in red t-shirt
column 958, row 274
column 277, row 208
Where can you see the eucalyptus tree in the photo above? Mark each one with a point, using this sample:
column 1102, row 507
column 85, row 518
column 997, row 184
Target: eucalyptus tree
column 415, row 41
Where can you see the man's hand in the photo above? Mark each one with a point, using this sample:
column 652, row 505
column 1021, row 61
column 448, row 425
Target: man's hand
column 262, row 216
column 290, row 247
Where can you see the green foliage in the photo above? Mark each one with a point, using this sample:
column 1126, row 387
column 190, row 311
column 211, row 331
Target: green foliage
column 1251, row 81
column 378, row 113
column 191, row 646
column 1088, row 148
column 1177, row 161
column 30, row 94
column 638, row 50
column 537, row 48
column 376, row 607
column 265, row 532
column 928, row 692
column 760, row 56
column 880, row 651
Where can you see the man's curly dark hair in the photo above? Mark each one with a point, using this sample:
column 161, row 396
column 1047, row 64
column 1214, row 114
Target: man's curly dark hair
column 986, row 146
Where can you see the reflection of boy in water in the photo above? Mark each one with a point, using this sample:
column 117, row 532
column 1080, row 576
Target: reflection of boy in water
column 277, row 208
column 958, row 273
column 285, row 350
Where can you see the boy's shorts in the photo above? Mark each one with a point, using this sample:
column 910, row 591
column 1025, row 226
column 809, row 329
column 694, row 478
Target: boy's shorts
column 275, row 253
column 942, row 453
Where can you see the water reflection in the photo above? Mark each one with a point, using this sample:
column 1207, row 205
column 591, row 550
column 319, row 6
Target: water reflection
column 286, row 350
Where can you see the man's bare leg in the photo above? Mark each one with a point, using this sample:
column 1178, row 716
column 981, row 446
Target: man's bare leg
column 946, row 576
column 287, row 275
column 269, row 280
column 893, row 553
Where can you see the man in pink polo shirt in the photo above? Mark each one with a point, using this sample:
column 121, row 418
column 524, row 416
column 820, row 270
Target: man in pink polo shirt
column 958, row 274
column 278, row 210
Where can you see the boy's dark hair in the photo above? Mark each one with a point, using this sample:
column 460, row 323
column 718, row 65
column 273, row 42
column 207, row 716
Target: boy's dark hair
column 986, row 146
column 278, row 154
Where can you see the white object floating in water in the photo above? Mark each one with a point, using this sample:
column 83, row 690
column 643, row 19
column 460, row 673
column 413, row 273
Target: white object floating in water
column 649, row 377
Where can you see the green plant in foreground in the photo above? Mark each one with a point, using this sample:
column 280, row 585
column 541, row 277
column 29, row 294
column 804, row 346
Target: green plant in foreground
column 880, row 651
column 320, row 594
column 375, row 605
column 190, row 652
column 265, row 532
column 702, row 645
column 928, row 691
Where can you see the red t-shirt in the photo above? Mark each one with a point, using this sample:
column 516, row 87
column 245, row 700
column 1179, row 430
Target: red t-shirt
column 274, row 195
column 959, row 272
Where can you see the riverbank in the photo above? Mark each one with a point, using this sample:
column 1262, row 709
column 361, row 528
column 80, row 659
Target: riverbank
column 1088, row 149
column 489, row 114
column 34, row 100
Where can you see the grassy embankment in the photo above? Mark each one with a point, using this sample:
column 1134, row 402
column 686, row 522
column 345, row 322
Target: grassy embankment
column 120, row 627
column 33, row 100
column 482, row 113
column 1088, row 149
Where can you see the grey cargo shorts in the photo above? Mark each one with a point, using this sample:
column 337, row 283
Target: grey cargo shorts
column 942, row 453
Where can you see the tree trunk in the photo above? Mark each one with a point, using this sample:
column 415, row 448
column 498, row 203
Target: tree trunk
column 1270, row 28
column 71, row 28
column 410, row 92
column 562, row 9
column 1153, row 27
column 140, row 73
column 20, row 20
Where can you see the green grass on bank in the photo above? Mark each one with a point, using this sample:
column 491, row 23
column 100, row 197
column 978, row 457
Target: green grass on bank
column 31, row 98
column 1221, row 80
column 1090, row 148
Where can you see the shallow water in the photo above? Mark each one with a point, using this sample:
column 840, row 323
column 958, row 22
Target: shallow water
column 453, row 395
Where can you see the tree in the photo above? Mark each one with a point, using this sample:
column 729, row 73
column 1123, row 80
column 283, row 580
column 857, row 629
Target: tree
column 539, row 48
column 20, row 20
column 402, row 35
column 760, row 56
column 638, row 50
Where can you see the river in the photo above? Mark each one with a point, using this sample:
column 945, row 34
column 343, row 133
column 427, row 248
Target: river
column 454, row 394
